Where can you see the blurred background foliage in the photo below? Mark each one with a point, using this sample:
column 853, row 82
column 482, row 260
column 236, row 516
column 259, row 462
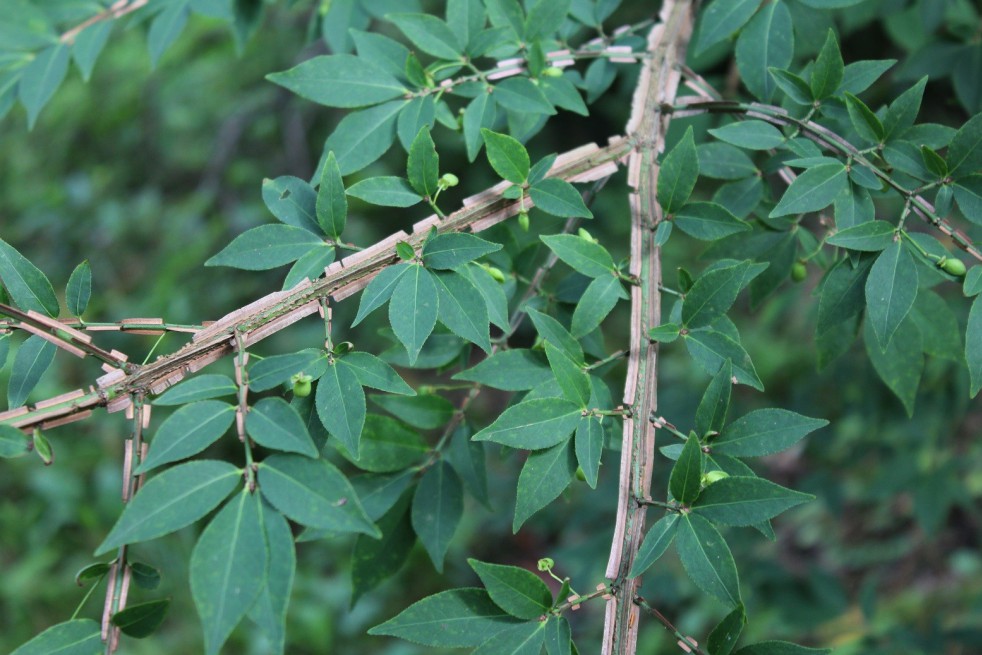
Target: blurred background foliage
column 147, row 171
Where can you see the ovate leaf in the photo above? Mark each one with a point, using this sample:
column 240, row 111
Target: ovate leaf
column 533, row 424
column 438, row 505
column 685, row 481
column 721, row 19
column 79, row 289
column 229, row 567
column 340, row 81
column 891, row 289
column 739, row 500
column 656, row 542
column 507, row 156
column 586, row 257
column 33, row 358
column 813, row 190
column 763, row 432
column 678, row 173
column 423, row 164
column 559, row 198
column 707, row 559
column 273, row 423
column 519, row 592
column 766, row 42
column 188, row 431
column 27, row 285
column 177, row 497
column 545, row 475
column 75, row 637
column 332, row 206
column 340, row 402
column 453, row 250
column 413, row 309
column 265, row 247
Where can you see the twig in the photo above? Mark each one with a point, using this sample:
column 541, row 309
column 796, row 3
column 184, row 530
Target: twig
column 117, row 10
column 686, row 643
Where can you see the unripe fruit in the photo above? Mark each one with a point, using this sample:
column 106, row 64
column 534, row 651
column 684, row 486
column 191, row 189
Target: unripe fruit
column 301, row 385
column 799, row 271
column 546, row 564
column 552, row 71
column 952, row 266
column 586, row 236
column 449, row 180
column 580, row 475
column 523, row 221
column 496, row 274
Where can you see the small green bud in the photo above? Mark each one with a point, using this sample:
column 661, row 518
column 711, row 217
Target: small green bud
column 523, row 221
column 449, row 180
column 546, row 564
column 713, row 476
column 799, row 271
column 952, row 266
column 552, row 71
column 586, row 236
column 43, row 448
column 580, row 475
column 496, row 274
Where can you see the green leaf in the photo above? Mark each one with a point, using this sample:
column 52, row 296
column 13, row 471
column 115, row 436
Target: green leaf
column 423, row 165
column 507, row 156
column 533, row 424
column 41, row 78
column 708, row 221
column 965, row 149
column 373, row 372
column 766, row 42
column 715, row 291
column 860, row 75
column 813, row 190
column 902, row 113
column 973, row 347
column 852, row 207
column 545, row 17
column 13, row 442
column 745, row 500
column 375, row 560
column 379, row 493
column 31, row 361
column 79, row 289
column 458, row 618
column 387, row 191
column 273, row 423
column 545, row 475
column 382, row 51
column 559, row 637
column 419, row 113
column 429, row 34
column 665, row 333
column 572, row 379
column 426, row 411
column 678, row 174
column 311, row 266
column 559, row 198
column 462, row 309
column 75, row 637
column 466, row 18
column 710, row 349
column 229, row 567
column 596, row 303
column 265, row 247
column 586, row 257
column 525, row 639
column 971, row 287
column 452, row 250
column 340, row 81
column 707, row 559
column 763, row 432
column 827, row 72
column 864, row 121
column 292, row 201
column 386, row 445
column 171, row 500
column 723, row 639
column 589, row 446
column 438, row 505
column 750, row 134
column 313, row 492
column 901, row 363
column 27, row 285
column 721, row 19
column 188, row 431
column 413, row 309
column 363, row 136
column 521, row 593
column 332, row 206
column 867, row 237
column 552, row 331
column 166, row 27
column 492, row 291
column 521, row 96
column 275, row 370
column 843, row 293
column 891, row 289
column 712, row 409
column 379, row 290
column 656, row 542
column 145, row 576
column 340, row 402
column 780, row 648
column 796, row 88
column 269, row 610
column 510, row 370
column 685, row 481
column 561, row 92
column 141, row 620
column 88, row 45
column 479, row 114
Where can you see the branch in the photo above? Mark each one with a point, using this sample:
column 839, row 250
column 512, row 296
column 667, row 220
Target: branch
column 648, row 124
column 280, row 309
column 117, row 10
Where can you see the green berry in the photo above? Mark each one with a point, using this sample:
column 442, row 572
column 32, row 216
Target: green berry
column 713, row 476
column 449, row 180
column 586, row 236
column 580, row 475
column 552, row 71
column 301, row 384
column 523, row 221
column 546, row 564
column 496, row 274
column 799, row 271
column 952, row 266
